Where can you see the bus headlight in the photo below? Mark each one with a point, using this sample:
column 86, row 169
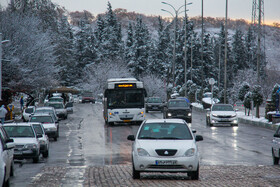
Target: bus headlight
column 169, row 114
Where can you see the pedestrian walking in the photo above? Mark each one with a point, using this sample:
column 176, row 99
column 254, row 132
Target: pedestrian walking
column 3, row 113
column 21, row 103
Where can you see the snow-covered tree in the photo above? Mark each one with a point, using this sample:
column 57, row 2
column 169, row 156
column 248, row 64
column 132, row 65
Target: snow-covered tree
column 154, row 86
column 238, row 52
column 257, row 97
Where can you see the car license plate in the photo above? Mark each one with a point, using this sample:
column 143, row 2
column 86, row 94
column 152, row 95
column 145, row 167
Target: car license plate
column 155, row 107
column 166, row 162
column 17, row 152
column 225, row 120
column 126, row 121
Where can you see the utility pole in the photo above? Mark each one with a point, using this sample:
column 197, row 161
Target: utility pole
column 185, row 48
column 0, row 66
column 202, row 36
column 259, row 41
column 225, row 73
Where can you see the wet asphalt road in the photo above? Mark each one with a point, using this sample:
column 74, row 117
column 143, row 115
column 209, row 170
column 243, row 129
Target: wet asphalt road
column 86, row 141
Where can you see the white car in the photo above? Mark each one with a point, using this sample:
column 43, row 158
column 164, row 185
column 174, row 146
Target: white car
column 51, row 128
column 27, row 113
column 6, row 158
column 26, row 141
column 165, row 145
column 44, row 140
column 221, row 114
column 49, row 110
column 60, row 109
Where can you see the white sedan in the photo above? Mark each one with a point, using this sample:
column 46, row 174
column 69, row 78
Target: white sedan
column 165, row 145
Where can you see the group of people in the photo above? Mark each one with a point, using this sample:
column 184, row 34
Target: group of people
column 4, row 111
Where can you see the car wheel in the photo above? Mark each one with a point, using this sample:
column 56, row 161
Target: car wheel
column 210, row 124
column 135, row 174
column 275, row 159
column 111, row 123
column 195, row 174
column 55, row 138
column 207, row 123
column 36, row 159
column 6, row 183
column 46, row 154
column 147, row 111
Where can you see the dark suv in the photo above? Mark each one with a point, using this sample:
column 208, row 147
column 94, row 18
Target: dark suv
column 276, row 147
column 178, row 108
column 154, row 104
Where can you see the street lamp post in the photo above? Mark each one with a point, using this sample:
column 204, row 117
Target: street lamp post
column 225, row 73
column 175, row 17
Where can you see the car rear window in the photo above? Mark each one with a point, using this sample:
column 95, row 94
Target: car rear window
column 174, row 131
column 29, row 110
column 42, row 119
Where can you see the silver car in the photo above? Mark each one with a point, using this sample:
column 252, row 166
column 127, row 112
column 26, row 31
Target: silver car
column 60, row 109
column 44, row 140
column 165, row 145
column 27, row 145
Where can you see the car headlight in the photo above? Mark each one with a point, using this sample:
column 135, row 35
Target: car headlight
column 30, row 146
column 169, row 114
column 189, row 114
column 215, row 115
column 142, row 152
column 233, row 115
column 190, row 152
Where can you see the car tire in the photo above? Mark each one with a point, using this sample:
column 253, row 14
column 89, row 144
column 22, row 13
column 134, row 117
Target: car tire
column 46, row 154
column 36, row 159
column 274, row 158
column 147, row 111
column 6, row 183
column 55, row 138
column 135, row 174
column 195, row 174
column 207, row 123
column 111, row 123
column 210, row 124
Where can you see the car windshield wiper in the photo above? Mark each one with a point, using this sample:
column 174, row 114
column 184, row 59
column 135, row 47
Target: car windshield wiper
column 147, row 137
column 170, row 138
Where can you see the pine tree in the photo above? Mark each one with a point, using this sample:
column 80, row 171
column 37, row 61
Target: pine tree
column 238, row 52
column 257, row 97
column 139, row 62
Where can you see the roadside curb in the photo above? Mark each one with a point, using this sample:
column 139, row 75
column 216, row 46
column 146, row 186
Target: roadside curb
column 264, row 123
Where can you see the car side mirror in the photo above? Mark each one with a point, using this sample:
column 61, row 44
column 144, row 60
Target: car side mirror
column 198, row 138
column 131, row 137
column 277, row 135
column 208, row 109
column 193, row 130
column 236, row 110
column 39, row 135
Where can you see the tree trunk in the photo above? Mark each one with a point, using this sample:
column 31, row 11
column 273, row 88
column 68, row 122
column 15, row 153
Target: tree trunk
column 258, row 111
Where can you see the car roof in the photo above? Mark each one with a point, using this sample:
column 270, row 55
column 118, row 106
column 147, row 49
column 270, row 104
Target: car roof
column 180, row 99
column 18, row 124
column 41, row 114
column 221, row 104
column 164, row 121
column 45, row 107
column 30, row 107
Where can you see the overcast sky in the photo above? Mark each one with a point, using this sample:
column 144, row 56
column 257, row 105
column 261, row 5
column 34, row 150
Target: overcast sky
column 213, row 8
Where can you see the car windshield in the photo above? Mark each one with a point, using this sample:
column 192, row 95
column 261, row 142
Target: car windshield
column 52, row 99
column 171, row 131
column 20, row 131
column 56, row 105
column 154, row 100
column 42, row 119
column 222, row 108
column 38, row 129
column 177, row 103
column 29, row 110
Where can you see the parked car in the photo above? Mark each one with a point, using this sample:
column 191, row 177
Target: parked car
column 48, row 122
column 154, row 104
column 69, row 107
column 165, row 145
column 88, row 97
column 60, row 109
column 6, row 158
column 49, row 110
column 27, row 113
column 221, row 114
column 76, row 98
column 44, row 140
column 56, row 99
column 26, row 141
column 178, row 108
column 276, row 147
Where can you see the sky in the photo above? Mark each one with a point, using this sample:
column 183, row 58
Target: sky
column 237, row 9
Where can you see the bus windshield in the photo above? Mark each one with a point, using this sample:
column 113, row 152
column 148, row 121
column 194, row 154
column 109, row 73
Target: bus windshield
column 125, row 98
